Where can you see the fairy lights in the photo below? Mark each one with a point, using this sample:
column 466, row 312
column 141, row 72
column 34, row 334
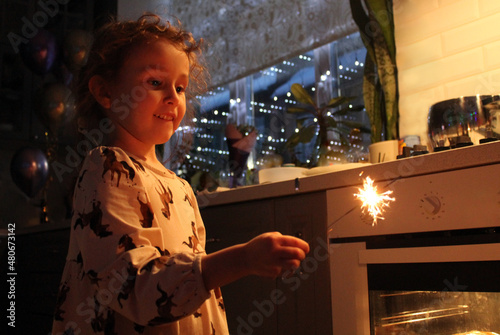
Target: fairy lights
column 373, row 202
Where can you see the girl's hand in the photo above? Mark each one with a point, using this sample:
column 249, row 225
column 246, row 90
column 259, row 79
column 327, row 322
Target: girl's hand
column 270, row 254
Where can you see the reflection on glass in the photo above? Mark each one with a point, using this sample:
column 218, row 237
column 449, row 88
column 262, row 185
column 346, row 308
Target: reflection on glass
column 434, row 312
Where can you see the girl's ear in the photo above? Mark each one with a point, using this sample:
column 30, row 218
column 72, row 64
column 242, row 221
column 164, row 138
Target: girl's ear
column 99, row 89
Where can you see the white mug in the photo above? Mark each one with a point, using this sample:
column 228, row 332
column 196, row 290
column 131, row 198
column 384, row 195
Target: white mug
column 384, row 151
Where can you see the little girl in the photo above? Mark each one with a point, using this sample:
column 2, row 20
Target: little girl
column 136, row 262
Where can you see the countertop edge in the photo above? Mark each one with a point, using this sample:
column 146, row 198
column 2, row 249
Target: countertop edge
column 454, row 159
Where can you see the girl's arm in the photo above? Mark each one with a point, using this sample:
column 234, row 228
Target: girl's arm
column 266, row 255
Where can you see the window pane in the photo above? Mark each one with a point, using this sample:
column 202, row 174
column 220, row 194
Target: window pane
column 263, row 100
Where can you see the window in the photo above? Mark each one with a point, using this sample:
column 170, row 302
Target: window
column 261, row 100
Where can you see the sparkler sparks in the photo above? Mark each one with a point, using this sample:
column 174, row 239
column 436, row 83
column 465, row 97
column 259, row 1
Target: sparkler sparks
column 373, row 202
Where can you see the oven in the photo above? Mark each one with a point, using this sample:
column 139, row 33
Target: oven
column 431, row 265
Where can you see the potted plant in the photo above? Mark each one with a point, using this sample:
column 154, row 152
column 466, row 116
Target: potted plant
column 325, row 118
column 380, row 90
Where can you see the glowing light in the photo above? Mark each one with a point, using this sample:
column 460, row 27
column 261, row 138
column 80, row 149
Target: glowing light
column 373, row 202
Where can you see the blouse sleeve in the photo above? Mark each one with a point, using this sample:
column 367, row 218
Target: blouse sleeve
column 124, row 256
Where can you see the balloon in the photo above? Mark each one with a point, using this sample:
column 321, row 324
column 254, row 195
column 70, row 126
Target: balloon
column 63, row 74
column 54, row 101
column 40, row 53
column 29, row 169
column 76, row 49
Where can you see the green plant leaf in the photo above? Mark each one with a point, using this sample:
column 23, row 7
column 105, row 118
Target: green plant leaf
column 335, row 102
column 381, row 12
column 347, row 110
column 297, row 110
column 304, row 135
column 301, row 122
column 293, row 140
column 301, row 95
column 331, row 122
column 371, row 87
column 387, row 75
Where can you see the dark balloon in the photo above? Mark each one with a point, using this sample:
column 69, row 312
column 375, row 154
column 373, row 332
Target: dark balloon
column 40, row 53
column 53, row 102
column 63, row 73
column 29, row 169
column 76, row 49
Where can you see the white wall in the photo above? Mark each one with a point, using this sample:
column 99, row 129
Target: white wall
column 445, row 49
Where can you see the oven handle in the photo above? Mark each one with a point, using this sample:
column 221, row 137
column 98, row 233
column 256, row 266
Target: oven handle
column 439, row 254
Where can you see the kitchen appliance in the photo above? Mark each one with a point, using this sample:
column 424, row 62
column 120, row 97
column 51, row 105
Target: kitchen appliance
column 432, row 264
column 464, row 121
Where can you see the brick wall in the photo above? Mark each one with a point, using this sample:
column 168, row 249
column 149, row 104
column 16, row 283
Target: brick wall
column 445, row 49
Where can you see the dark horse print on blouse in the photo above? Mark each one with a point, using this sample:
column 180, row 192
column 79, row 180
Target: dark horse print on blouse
column 103, row 321
column 126, row 243
column 159, row 261
column 80, row 179
column 164, row 305
column 114, row 166
column 166, row 199
column 146, row 212
column 61, row 298
column 128, row 285
column 94, row 220
column 137, row 164
column 194, row 242
column 93, row 277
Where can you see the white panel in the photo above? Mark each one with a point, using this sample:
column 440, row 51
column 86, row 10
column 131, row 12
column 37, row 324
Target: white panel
column 441, row 254
column 350, row 304
column 461, row 199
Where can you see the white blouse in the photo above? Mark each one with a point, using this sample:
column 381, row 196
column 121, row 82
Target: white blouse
column 134, row 258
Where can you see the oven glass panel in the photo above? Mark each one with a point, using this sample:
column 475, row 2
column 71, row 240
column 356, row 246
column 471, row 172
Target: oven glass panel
column 434, row 312
column 435, row 298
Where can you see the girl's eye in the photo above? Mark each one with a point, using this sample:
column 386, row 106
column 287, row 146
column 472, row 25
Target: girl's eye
column 180, row 89
column 154, row 82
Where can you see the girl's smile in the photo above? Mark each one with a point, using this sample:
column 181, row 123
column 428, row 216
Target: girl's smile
column 165, row 117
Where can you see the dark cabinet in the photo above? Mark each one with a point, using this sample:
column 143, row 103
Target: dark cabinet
column 296, row 304
column 40, row 259
column 246, row 300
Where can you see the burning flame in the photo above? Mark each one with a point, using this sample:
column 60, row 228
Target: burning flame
column 373, row 202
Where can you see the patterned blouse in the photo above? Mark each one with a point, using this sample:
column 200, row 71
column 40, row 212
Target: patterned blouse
column 134, row 258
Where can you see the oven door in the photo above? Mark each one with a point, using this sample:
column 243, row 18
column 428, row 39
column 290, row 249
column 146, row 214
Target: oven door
column 451, row 289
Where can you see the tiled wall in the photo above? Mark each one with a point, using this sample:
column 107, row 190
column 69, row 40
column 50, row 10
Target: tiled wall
column 445, row 49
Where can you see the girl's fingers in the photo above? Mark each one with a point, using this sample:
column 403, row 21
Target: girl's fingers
column 291, row 241
column 291, row 253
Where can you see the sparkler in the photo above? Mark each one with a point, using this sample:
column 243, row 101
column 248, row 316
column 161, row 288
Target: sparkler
column 373, row 202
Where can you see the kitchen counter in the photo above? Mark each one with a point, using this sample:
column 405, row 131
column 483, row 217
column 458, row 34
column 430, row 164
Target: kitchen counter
column 455, row 159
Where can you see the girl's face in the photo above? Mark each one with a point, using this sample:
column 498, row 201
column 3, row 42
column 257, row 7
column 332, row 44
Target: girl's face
column 148, row 98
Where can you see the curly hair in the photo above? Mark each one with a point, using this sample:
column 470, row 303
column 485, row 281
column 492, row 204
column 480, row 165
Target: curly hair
column 113, row 43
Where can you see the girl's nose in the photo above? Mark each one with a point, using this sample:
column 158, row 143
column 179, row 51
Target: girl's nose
column 171, row 96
